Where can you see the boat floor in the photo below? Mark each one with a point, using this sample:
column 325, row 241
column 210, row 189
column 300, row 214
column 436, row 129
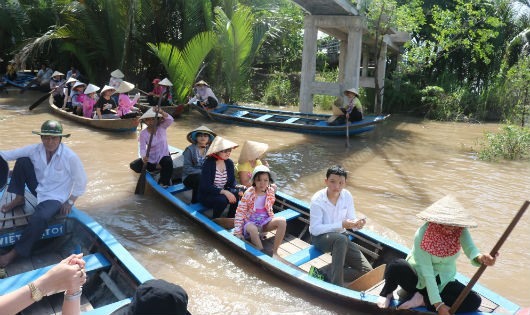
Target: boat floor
column 41, row 257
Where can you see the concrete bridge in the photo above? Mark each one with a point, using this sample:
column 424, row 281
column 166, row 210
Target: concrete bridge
column 342, row 20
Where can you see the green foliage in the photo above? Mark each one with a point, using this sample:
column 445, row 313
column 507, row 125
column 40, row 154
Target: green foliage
column 511, row 143
column 183, row 66
column 516, row 87
column 237, row 45
column 440, row 105
column 278, row 91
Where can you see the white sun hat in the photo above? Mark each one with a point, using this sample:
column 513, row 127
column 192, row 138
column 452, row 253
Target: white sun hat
column 219, row 144
column 252, row 150
column 117, row 74
column 106, row 88
column 447, row 211
column 56, row 73
column 71, row 79
column 263, row 169
column 78, row 83
column 165, row 82
column 124, row 87
column 91, row 88
column 352, row 90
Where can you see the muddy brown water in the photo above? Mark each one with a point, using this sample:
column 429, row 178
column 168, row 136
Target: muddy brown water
column 395, row 171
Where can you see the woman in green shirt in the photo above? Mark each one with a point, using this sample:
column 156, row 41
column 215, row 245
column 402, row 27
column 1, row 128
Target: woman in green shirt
column 428, row 272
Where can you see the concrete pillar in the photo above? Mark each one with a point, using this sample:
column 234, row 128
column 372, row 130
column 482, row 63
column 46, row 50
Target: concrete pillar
column 353, row 57
column 380, row 77
column 365, row 59
column 309, row 57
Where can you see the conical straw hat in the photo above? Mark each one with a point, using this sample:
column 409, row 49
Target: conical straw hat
column 117, row 74
column 106, row 88
column 219, row 144
column 91, row 88
column 252, row 150
column 447, row 211
column 56, row 73
column 124, row 87
column 192, row 135
column 165, row 82
column 71, row 79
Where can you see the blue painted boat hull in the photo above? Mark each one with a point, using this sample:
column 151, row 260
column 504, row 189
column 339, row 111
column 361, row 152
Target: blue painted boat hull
column 113, row 273
column 288, row 121
column 377, row 249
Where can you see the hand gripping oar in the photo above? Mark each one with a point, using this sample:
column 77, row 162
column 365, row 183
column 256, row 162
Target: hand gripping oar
column 493, row 252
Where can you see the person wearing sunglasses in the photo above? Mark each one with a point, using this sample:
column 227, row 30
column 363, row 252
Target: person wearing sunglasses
column 217, row 188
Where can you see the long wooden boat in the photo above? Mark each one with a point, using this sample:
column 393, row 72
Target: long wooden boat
column 298, row 255
column 22, row 80
column 284, row 120
column 113, row 274
column 173, row 110
column 118, row 124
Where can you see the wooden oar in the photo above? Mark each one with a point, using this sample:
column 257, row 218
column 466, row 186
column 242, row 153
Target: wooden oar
column 140, row 186
column 347, row 133
column 41, row 99
column 493, row 253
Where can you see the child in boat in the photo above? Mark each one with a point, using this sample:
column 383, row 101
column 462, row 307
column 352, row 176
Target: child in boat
column 78, row 97
column 249, row 159
column 194, row 157
column 126, row 107
column 254, row 213
column 90, row 100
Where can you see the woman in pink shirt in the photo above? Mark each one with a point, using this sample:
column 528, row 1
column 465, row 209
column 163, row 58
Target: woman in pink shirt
column 90, row 100
column 158, row 156
column 125, row 104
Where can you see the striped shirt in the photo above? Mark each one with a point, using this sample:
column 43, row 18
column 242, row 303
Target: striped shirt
column 220, row 178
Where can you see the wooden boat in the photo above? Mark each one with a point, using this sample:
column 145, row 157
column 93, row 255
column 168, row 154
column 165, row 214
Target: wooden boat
column 22, row 80
column 298, row 255
column 118, row 124
column 173, row 110
column 284, row 120
column 113, row 274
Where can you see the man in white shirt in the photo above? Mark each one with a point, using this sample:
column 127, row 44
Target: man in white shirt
column 331, row 213
column 53, row 173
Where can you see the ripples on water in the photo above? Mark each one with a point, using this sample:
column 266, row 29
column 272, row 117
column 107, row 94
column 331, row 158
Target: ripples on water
column 394, row 172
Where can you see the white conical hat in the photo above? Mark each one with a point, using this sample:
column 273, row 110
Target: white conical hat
column 252, row 150
column 447, row 211
column 124, row 87
column 219, row 144
column 56, row 73
column 107, row 87
column 71, row 79
column 117, row 74
column 78, row 83
column 353, row 90
column 91, row 88
column 165, row 82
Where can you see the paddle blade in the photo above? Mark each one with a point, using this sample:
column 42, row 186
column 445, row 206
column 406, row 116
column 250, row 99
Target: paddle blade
column 140, row 186
column 39, row 101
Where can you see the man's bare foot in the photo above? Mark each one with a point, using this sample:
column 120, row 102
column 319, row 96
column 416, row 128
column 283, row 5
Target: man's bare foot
column 384, row 302
column 415, row 301
column 18, row 201
column 5, row 259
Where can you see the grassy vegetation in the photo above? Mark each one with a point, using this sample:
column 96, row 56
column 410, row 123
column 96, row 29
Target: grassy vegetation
column 511, row 143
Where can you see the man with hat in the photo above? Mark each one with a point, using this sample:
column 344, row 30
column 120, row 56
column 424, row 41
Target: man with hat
column 204, row 96
column 53, row 173
column 56, row 85
column 428, row 272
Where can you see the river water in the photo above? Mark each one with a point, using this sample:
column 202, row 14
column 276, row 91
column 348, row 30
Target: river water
column 395, row 172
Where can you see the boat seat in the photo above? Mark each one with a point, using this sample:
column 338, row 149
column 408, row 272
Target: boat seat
column 288, row 214
column 239, row 113
column 291, row 120
column 93, row 262
column 303, row 256
column 264, row 117
column 175, row 189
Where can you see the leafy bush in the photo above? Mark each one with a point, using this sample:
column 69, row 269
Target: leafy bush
column 440, row 105
column 512, row 143
column 278, row 91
